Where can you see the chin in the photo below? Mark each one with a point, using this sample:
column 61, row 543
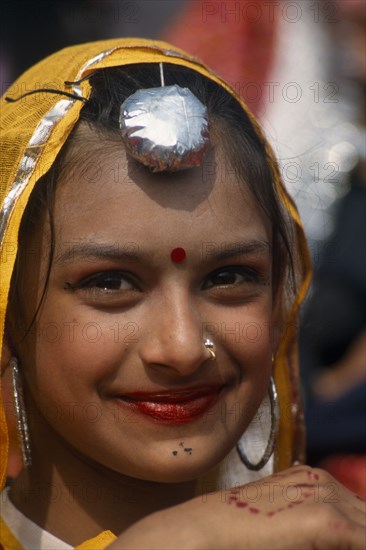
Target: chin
column 179, row 468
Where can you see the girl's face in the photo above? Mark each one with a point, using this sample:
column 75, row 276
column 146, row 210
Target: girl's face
column 116, row 363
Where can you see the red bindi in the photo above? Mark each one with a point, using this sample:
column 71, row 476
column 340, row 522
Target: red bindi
column 178, row 255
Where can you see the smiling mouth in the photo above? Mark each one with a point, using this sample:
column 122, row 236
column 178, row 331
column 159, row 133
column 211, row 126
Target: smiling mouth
column 176, row 407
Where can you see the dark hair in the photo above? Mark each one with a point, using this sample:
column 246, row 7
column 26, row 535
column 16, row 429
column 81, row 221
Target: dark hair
column 244, row 147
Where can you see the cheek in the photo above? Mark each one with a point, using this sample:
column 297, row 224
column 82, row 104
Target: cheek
column 72, row 356
column 66, row 379
column 246, row 340
column 245, row 333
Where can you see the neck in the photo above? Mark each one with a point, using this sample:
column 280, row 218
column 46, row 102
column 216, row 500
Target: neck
column 75, row 498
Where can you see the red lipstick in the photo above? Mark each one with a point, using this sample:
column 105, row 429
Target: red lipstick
column 174, row 407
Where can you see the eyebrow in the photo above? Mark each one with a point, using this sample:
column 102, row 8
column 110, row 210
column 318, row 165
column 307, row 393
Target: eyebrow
column 130, row 252
column 99, row 251
column 225, row 251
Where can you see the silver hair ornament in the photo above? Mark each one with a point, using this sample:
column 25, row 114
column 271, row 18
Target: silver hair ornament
column 165, row 128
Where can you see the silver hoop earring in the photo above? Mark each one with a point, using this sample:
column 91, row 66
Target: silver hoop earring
column 210, row 346
column 22, row 424
column 272, row 391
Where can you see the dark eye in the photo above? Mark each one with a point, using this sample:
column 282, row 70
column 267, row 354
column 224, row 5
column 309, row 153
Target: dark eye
column 228, row 276
column 107, row 282
column 113, row 281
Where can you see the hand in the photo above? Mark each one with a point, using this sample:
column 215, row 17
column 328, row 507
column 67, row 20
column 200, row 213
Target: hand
column 300, row 508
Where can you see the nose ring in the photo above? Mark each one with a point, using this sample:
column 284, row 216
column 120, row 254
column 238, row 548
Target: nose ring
column 210, row 346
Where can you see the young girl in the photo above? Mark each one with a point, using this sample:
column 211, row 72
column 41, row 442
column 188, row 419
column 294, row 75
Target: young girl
column 152, row 269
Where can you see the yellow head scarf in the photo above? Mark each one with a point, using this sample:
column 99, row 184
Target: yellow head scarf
column 33, row 131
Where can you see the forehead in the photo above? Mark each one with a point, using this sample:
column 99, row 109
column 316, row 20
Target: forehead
column 103, row 192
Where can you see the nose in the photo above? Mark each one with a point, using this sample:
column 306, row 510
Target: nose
column 174, row 342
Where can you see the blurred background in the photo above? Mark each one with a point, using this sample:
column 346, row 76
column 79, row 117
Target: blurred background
column 300, row 66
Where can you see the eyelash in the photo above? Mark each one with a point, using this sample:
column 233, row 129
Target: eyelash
column 92, row 283
column 249, row 275
column 97, row 284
